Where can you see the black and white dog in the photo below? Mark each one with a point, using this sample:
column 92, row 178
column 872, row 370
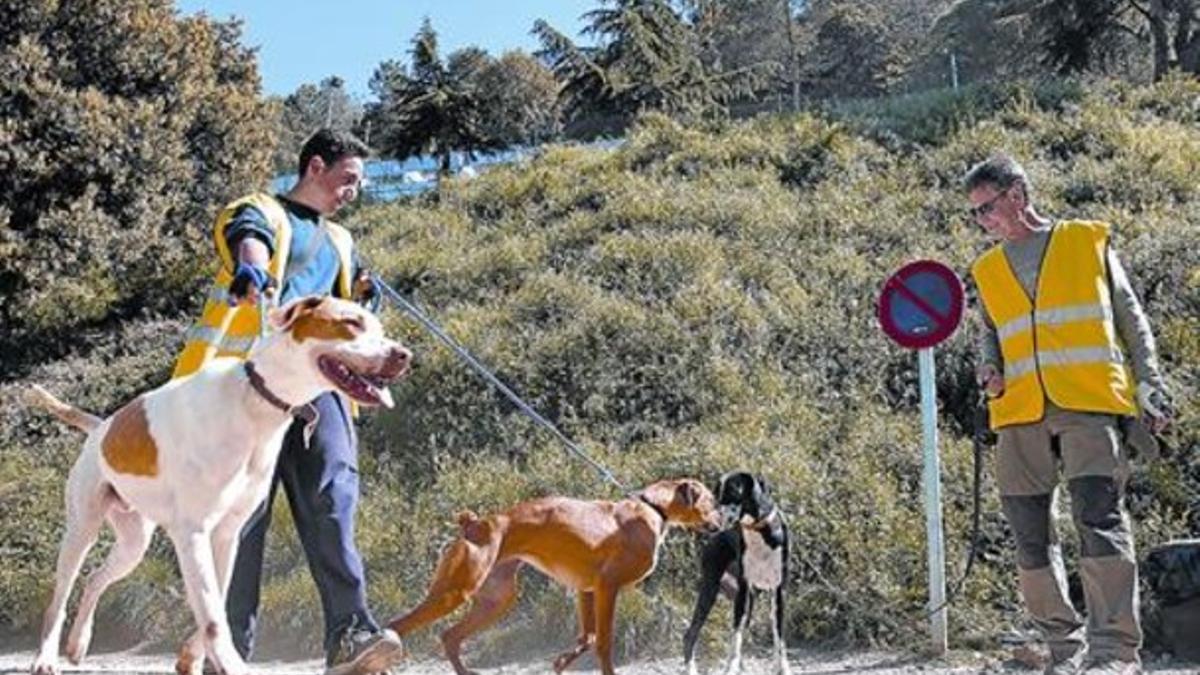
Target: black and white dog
column 752, row 549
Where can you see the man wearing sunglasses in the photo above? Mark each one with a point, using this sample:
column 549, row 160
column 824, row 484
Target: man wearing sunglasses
column 1066, row 353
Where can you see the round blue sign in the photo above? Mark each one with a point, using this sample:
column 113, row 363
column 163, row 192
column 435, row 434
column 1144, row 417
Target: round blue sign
column 921, row 304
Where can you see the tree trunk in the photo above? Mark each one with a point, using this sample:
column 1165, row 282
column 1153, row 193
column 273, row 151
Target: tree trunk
column 1160, row 43
column 1187, row 40
column 793, row 57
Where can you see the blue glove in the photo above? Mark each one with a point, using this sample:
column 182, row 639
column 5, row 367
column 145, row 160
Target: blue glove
column 248, row 276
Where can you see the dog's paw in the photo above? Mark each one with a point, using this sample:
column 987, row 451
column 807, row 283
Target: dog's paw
column 44, row 666
column 75, row 654
column 562, row 661
column 189, row 666
column 190, row 659
column 782, row 667
column 77, row 647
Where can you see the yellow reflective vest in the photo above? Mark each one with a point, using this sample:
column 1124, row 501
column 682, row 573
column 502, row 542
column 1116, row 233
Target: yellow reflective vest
column 231, row 331
column 1062, row 344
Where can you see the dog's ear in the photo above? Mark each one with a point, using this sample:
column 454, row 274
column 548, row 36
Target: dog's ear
column 762, row 485
column 282, row 318
column 687, row 493
column 719, row 488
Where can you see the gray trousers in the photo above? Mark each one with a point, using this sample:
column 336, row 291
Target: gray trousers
column 1088, row 449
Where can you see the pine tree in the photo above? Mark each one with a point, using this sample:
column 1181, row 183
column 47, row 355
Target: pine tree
column 433, row 106
column 647, row 56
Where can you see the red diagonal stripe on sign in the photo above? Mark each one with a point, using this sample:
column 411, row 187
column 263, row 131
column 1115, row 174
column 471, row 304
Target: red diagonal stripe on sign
column 917, row 300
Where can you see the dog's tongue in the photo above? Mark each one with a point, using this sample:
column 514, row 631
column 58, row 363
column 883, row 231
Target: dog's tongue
column 385, row 397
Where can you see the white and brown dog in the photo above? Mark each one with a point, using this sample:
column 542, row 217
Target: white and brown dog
column 196, row 456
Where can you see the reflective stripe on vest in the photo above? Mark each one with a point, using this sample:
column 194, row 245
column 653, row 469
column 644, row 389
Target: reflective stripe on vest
column 1065, row 349
column 223, row 343
column 1064, row 357
column 1050, row 317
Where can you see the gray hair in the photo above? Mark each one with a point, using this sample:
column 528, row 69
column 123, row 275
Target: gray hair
column 1000, row 171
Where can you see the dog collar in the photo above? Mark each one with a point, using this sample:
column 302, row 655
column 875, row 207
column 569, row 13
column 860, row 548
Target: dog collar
column 764, row 521
column 306, row 412
column 657, row 509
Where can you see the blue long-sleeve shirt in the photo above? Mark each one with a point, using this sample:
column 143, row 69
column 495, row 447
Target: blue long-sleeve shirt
column 313, row 262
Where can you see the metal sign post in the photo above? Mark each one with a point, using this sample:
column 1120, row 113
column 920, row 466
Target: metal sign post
column 921, row 305
column 932, row 481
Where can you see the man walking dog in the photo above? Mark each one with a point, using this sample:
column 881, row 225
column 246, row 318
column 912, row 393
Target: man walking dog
column 1062, row 329
column 285, row 245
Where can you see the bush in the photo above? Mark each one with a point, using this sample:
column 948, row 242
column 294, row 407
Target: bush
column 124, row 128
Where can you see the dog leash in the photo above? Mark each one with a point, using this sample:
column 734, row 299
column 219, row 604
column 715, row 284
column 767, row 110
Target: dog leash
column 413, row 311
column 262, row 316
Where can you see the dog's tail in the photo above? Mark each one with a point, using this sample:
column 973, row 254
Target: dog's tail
column 475, row 530
column 80, row 419
column 467, row 518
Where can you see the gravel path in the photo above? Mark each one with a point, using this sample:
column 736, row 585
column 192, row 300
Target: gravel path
column 814, row 662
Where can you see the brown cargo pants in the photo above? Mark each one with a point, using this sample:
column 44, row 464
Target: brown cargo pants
column 1088, row 448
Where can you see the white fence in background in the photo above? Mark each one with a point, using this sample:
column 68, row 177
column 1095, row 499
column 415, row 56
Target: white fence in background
column 390, row 179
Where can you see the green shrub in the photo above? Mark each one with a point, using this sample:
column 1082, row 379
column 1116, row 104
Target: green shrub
column 125, row 127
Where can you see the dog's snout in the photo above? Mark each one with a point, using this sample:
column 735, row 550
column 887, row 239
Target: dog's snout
column 728, row 515
column 401, row 355
column 398, row 361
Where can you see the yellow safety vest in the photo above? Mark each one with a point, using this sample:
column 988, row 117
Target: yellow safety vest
column 232, row 331
column 1062, row 345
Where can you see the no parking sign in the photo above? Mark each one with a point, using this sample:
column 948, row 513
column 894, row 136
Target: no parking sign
column 920, row 306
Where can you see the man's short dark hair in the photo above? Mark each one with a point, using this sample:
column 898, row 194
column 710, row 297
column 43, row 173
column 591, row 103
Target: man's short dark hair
column 999, row 171
column 331, row 145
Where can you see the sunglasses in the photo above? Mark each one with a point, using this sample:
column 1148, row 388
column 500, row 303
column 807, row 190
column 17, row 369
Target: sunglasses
column 980, row 210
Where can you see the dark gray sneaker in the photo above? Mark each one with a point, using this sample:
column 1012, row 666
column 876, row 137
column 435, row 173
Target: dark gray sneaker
column 1067, row 666
column 1113, row 667
column 363, row 652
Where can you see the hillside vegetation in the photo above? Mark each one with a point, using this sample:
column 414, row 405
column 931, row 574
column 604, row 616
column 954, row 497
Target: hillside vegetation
column 696, row 301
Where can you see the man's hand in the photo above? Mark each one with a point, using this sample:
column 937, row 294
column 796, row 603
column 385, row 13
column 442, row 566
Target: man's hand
column 366, row 290
column 249, row 283
column 990, row 380
column 1155, row 407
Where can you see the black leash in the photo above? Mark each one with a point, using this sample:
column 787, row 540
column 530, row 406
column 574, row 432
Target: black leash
column 982, row 438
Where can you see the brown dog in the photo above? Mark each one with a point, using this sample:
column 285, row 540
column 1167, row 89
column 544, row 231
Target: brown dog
column 596, row 548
